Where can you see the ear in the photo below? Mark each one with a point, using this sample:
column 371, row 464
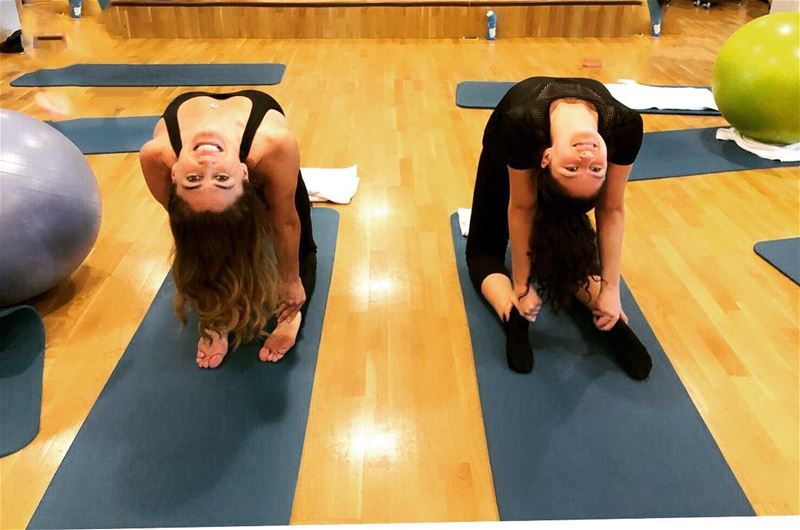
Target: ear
column 173, row 175
column 546, row 157
column 245, row 172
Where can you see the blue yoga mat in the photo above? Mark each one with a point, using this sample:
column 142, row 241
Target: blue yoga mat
column 108, row 135
column 783, row 254
column 487, row 94
column 693, row 152
column 168, row 444
column 21, row 365
column 577, row 438
column 119, row 75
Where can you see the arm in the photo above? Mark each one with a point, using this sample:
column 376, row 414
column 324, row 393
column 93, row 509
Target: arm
column 157, row 173
column 278, row 166
column 521, row 214
column 610, row 221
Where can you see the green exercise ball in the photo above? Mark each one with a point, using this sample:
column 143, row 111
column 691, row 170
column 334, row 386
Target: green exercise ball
column 756, row 79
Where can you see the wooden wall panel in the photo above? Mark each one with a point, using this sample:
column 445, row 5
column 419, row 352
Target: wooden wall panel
column 336, row 21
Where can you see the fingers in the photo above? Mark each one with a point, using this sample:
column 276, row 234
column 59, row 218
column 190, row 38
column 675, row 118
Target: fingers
column 507, row 311
column 604, row 322
column 287, row 313
column 531, row 313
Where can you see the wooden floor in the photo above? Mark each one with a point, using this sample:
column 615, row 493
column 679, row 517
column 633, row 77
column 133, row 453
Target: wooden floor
column 395, row 364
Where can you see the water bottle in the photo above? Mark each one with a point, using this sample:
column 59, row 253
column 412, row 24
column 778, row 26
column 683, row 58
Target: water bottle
column 75, row 8
column 491, row 25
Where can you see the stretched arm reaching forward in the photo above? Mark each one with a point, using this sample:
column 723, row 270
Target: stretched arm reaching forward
column 278, row 167
column 521, row 214
column 610, row 220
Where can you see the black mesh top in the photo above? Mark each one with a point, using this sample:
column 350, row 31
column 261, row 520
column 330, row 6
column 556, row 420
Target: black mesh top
column 520, row 124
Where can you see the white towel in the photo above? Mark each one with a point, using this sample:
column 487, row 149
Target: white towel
column 784, row 153
column 640, row 97
column 464, row 215
column 331, row 184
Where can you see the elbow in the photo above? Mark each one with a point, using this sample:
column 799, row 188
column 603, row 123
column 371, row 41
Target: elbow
column 522, row 208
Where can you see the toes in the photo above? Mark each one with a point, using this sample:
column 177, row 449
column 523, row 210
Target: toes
column 215, row 361
column 264, row 354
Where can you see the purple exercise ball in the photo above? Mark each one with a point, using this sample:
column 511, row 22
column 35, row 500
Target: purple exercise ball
column 49, row 207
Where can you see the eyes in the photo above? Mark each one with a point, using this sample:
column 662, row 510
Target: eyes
column 593, row 169
column 219, row 178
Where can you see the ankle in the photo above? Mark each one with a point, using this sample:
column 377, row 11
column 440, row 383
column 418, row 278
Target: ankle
column 519, row 353
column 629, row 350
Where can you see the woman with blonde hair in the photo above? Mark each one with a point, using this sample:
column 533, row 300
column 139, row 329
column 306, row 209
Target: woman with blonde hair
column 226, row 168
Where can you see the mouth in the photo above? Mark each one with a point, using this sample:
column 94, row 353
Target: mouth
column 585, row 145
column 207, row 147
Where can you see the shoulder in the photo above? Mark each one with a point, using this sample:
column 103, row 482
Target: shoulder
column 273, row 138
column 158, row 149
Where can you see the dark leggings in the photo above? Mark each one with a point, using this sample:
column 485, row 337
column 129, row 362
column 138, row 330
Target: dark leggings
column 308, row 249
column 488, row 229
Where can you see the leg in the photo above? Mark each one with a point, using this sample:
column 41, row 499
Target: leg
column 486, row 249
column 284, row 335
column 629, row 350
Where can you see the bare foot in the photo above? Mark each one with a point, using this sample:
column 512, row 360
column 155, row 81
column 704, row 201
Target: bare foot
column 281, row 340
column 211, row 354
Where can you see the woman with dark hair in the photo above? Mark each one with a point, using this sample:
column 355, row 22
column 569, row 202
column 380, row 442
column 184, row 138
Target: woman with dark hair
column 553, row 149
column 226, row 168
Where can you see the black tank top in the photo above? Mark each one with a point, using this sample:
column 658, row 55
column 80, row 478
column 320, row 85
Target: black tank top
column 262, row 103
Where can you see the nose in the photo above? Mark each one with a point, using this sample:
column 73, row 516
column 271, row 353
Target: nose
column 586, row 153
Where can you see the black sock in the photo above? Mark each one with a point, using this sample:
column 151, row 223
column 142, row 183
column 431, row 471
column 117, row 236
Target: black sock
column 630, row 352
column 518, row 348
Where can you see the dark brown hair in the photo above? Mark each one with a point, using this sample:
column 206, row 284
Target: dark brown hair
column 224, row 266
column 563, row 242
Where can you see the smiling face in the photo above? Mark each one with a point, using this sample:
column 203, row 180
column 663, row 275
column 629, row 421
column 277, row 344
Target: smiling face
column 578, row 161
column 208, row 174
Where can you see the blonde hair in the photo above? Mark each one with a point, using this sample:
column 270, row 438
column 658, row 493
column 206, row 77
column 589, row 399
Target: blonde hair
column 224, row 266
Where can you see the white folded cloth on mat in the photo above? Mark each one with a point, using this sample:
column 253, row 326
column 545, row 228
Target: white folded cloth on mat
column 636, row 96
column 331, row 184
column 784, row 153
column 464, row 215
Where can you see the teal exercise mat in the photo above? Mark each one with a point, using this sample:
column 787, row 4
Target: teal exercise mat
column 155, row 75
column 168, row 444
column 783, row 254
column 95, row 136
column 21, row 365
column 487, row 94
column 687, row 152
column 577, row 438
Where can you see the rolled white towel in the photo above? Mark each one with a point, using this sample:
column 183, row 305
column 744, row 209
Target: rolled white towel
column 640, row 97
column 331, row 184
column 464, row 215
column 784, row 153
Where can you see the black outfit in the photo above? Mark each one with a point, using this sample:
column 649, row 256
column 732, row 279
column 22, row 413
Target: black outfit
column 262, row 103
column 516, row 135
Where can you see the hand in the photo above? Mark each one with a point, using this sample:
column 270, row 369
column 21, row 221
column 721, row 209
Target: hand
column 291, row 297
column 528, row 303
column 608, row 309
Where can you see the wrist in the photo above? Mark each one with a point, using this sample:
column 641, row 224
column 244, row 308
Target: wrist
column 606, row 285
column 521, row 289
